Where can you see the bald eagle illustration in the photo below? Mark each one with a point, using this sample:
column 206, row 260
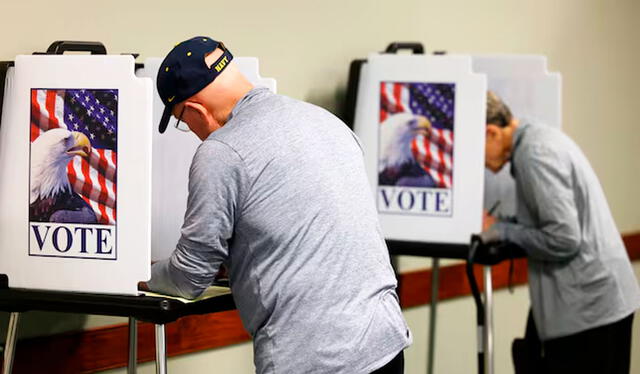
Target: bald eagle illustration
column 397, row 165
column 51, row 197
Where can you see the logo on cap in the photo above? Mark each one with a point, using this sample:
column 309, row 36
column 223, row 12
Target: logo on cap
column 222, row 64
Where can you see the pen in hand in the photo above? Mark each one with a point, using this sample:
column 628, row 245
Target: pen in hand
column 494, row 208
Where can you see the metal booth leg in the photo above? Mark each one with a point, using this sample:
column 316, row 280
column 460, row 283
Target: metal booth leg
column 132, row 367
column 435, row 286
column 10, row 343
column 161, row 350
column 488, row 321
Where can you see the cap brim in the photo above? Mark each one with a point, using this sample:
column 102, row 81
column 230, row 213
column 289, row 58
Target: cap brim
column 164, row 121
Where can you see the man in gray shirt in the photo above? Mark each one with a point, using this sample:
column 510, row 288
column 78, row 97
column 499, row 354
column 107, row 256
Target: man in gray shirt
column 278, row 193
column 582, row 287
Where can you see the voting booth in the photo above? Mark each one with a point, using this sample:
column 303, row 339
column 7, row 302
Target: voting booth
column 84, row 160
column 80, row 221
column 75, row 156
column 421, row 121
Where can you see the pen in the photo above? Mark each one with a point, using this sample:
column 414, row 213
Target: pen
column 494, row 207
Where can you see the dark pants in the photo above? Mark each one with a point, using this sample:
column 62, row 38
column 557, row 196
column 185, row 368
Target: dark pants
column 395, row 366
column 604, row 349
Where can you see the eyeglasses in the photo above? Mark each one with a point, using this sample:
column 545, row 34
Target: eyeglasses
column 180, row 125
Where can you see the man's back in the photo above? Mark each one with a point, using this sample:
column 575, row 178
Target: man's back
column 579, row 272
column 308, row 265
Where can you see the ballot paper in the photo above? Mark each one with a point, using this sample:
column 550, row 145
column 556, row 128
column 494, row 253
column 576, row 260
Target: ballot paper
column 213, row 291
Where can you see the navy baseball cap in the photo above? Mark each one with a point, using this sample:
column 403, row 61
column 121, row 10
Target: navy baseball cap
column 183, row 73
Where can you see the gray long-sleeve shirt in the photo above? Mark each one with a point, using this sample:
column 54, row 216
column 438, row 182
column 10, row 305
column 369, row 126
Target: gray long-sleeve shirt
column 280, row 195
column 580, row 276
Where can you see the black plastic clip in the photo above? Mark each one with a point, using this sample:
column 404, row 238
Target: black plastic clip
column 61, row 46
column 4, row 68
column 415, row 47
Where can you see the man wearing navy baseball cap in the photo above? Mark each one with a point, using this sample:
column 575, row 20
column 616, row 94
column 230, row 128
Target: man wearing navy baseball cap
column 278, row 193
column 184, row 79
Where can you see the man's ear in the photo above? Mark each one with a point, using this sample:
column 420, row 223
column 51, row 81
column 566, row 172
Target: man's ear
column 196, row 111
column 492, row 132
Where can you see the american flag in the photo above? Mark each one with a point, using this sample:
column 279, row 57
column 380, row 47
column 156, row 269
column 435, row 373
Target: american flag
column 435, row 101
column 93, row 113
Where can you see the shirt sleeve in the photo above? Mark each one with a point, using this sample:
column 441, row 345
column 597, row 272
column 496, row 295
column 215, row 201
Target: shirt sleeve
column 217, row 178
column 546, row 182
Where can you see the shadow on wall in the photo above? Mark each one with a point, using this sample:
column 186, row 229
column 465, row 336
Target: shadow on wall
column 34, row 324
column 331, row 101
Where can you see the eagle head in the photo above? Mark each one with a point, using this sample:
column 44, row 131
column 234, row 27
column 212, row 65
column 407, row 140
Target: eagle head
column 396, row 134
column 50, row 154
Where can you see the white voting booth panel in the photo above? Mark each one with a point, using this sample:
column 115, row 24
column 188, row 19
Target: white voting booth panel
column 75, row 174
column 172, row 155
column 534, row 96
column 420, row 119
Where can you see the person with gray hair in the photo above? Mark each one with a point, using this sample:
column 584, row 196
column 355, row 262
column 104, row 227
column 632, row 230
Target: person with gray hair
column 582, row 287
column 498, row 113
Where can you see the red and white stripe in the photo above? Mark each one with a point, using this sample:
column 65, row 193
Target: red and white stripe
column 94, row 179
column 394, row 98
column 434, row 157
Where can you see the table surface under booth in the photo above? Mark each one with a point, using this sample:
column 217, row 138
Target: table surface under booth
column 154, row 309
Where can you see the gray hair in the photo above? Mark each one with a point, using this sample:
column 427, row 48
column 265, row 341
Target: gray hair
column 498, row 112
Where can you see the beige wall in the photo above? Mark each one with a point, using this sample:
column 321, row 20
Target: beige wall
column 307, row 47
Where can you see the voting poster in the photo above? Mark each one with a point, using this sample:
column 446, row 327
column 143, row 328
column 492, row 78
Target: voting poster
column 75, row 144
column 415, row 165
column 420, row 121
column 72, row 184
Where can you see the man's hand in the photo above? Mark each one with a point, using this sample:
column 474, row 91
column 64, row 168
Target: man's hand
column 487, row 220
column 142, row 286
column 489, row 234
column 223, row 273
